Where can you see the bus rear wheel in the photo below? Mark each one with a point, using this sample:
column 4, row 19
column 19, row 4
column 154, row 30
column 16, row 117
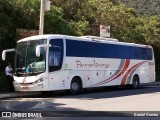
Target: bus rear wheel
column 75, row 86
column 135, row 82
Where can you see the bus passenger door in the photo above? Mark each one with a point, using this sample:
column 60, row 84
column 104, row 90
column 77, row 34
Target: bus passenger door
column 57, row 77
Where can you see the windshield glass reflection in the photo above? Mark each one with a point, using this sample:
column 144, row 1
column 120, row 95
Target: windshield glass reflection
column 26, row 61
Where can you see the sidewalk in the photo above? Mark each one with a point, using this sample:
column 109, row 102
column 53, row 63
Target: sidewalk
column 17, row 94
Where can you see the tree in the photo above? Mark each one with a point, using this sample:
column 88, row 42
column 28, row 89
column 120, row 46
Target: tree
column 80, row 17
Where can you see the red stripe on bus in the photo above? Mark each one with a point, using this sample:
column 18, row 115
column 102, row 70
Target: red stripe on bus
column 124, row 68
column 126, row 64
column 128, row 72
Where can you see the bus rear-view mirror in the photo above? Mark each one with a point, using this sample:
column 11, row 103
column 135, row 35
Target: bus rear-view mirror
column 38, row 50
column 4, row 53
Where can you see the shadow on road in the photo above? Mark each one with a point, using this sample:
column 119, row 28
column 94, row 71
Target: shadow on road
column 113, row 92
column 52, row 109
column 104, row 92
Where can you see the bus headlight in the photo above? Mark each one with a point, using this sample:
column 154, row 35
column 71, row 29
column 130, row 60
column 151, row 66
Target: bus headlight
column 39, row 81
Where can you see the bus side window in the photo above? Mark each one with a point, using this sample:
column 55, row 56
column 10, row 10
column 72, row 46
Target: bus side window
column 55, row 55
column 148, row 54
column 54, row 58
column 51, row 57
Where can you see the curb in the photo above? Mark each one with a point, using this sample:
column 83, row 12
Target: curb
column 18, row 94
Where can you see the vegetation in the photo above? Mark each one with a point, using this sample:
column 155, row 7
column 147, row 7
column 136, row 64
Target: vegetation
column 143, row 7
column 81, row 17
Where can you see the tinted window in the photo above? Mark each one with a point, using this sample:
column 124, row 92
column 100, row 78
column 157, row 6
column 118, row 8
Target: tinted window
column 101, row 50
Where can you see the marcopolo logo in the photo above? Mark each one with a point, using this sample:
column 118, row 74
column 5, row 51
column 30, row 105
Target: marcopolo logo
column 6, row 114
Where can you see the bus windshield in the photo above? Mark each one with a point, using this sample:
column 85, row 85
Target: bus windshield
column 26, row 62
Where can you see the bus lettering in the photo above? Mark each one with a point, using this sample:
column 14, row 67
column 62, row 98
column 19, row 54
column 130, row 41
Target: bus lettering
column 93, row 64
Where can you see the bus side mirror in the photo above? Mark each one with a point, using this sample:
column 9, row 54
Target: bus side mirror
column 38, row 50
column 4, row 53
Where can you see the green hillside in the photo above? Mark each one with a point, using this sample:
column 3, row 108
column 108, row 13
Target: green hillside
column 144, row 7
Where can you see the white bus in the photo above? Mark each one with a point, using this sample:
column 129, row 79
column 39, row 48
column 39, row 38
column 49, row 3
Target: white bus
column 60, row 62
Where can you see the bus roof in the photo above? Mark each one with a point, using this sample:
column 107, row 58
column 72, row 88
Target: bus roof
column 83, row 38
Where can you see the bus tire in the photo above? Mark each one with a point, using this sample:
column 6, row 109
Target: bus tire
column 135, row 82
column 75, row 86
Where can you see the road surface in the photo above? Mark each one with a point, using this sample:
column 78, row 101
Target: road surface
column 92, row 103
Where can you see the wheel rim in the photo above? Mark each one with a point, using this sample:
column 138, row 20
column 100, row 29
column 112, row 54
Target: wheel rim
column 75, row 86
column 135, row 83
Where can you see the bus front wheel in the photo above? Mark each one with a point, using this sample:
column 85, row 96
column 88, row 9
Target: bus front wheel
column 75, row 86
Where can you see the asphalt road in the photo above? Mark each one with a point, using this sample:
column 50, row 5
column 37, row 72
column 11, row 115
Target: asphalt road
column 100, row 102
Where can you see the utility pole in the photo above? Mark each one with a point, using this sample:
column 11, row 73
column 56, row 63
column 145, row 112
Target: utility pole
column 45, row 5
column 41, row 24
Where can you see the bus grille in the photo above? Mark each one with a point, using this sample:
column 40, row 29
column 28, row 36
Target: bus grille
column 25, row 84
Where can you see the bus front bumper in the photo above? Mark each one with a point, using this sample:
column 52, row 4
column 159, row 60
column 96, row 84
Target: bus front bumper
column 28, row 86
